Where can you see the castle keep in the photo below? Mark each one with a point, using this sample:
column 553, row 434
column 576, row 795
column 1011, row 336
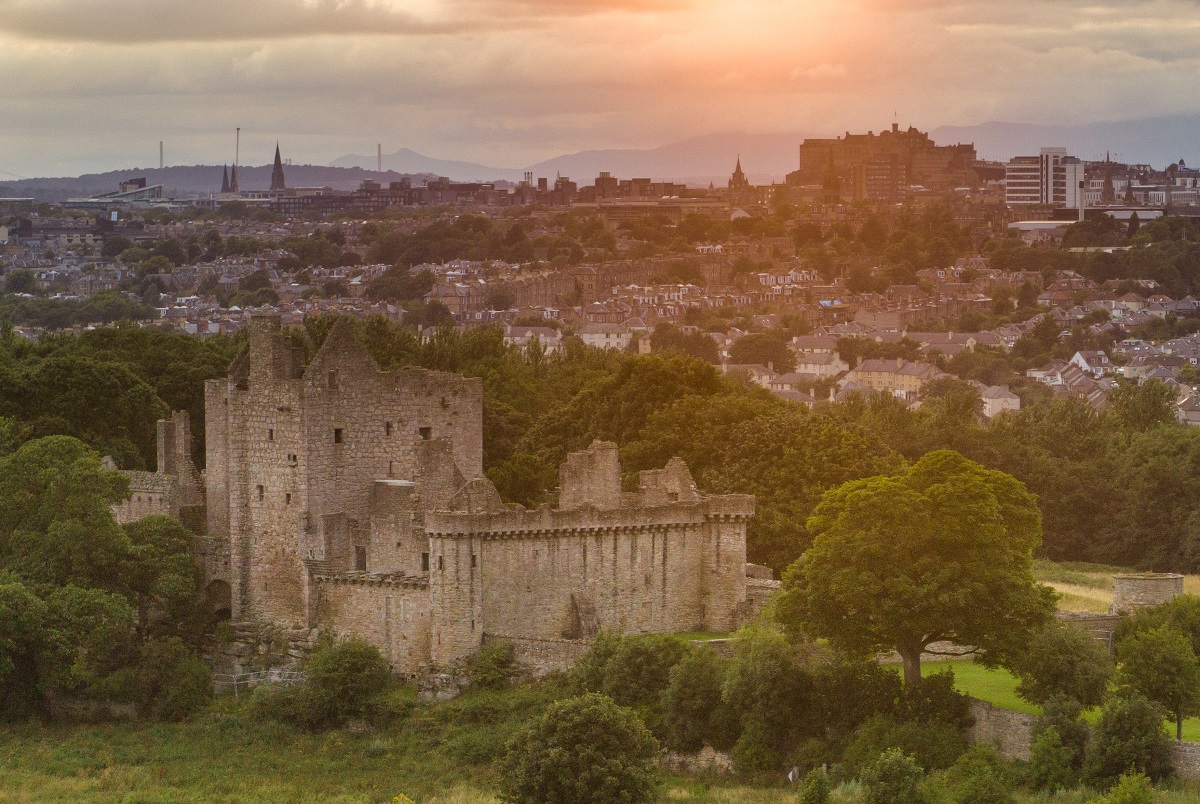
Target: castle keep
column 343, row 497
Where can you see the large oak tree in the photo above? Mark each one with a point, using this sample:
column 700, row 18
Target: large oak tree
column 941, row 553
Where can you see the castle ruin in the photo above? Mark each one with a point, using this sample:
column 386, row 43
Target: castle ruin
column 347, row 498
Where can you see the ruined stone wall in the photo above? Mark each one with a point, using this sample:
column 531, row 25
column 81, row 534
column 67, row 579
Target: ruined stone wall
column 543, row 656
column 1010, row 733
column 1133, row 592
column 390, row 613
column 565, row 574
column 149, row 494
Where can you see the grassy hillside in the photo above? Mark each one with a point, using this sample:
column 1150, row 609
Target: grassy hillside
column 1088, row 587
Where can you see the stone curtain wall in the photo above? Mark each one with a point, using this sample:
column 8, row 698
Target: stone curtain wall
column 543, row 656
column 390, row 613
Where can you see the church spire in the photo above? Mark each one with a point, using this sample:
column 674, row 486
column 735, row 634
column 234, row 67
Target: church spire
column 225, row 179
column 233, row 180
column 277, row 182
column 1108, row 195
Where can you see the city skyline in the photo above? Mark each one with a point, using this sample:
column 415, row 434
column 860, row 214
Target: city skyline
column 511, row 82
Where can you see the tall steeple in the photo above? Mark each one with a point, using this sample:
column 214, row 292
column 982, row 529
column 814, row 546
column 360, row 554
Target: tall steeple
column 225, row 179
column 233, row 181
column 1108, row 195
column 277, row 182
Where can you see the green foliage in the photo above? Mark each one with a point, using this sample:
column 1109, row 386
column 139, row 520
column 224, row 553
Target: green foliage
column 980, row 776
column 894, row 778
column 755, row 755
column 1051, row 763
column 692, row 699
column 770, row 349
column 1128, row 736
column 1059, row 741
column 695, row 344
column 172, row 682
column 493, row 666
column 932, row 744
column 941, row 553
column 1161, row 665
column 852, row 692
column 342, row 681
column 770, row 690
column 584, row 749
column 1131, row 788
column 1137, row 408
column 1181, row 614
column 1061, row 660
column 815, row 788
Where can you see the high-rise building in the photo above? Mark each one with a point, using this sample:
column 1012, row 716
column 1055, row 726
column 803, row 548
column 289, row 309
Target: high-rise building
column 1052, row 178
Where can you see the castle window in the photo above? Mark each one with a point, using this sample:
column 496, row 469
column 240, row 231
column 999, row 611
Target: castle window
column 474, row 561
column 287, row 498
column 441, row 564
column 426, row 433
column 338, row 435
column 360, row 559
column 424, row 562
column 391, row 468
column 292, row 459
column 270, row 434
column 387, row 428
column 260, row 493
column 331, row 380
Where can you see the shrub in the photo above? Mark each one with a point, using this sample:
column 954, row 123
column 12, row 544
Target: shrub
column 343, row 680
column 638, row 671
column 980, row 777
column 1128, row 736
column 815, row 788
column 1131, row 788
column 766, row 685
column 1059, row 741
column 754, row 756
column 1067, row 661
column 493, row 666
column 584, row 750
column 894, row 778
column 172, row 683
column 588, row 674
column 932, row 745
column 691, row 700
column 853, row 692
column 935, row 700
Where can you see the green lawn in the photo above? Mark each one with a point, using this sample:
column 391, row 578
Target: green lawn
column 999, row 687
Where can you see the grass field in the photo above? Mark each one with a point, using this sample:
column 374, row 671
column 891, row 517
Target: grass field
column 1088, row 587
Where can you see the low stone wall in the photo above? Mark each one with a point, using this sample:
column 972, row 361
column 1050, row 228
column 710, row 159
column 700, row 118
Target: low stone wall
column 543, row 656
column 1101, row 626
column 706, row 760
column 1010, row 733
column 1186, row 757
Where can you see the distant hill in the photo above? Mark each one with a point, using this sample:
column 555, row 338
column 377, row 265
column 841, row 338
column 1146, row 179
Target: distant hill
column 699, row 160
column 1156, row 141
column 179, row 181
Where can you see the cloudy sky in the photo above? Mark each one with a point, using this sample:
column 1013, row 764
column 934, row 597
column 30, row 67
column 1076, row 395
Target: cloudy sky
column 95, row 84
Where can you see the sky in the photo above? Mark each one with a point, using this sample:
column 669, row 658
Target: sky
column 93, row 85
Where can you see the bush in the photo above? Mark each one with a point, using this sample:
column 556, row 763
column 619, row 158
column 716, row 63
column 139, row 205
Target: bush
column 853, row 692
column 584, row 750
column 1131, row 788
column 768, row 687
column 815, row 787
column 1059, row 741
column 754, row 756
column 493, row 666
column 1066, row 661
column 1129, row 736
column 894, row 778
column 935, row 700
column 980, row 777
column 343, row 680
column 691, row 700
column 638, row 671
column 932, row 745
column 172, row 683
column 588, row 674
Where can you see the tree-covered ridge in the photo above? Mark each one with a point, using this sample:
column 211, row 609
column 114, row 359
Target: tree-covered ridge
column 1113, row 487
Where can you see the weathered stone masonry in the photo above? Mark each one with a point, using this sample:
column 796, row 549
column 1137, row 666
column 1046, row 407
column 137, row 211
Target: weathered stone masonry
column 352, row 499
